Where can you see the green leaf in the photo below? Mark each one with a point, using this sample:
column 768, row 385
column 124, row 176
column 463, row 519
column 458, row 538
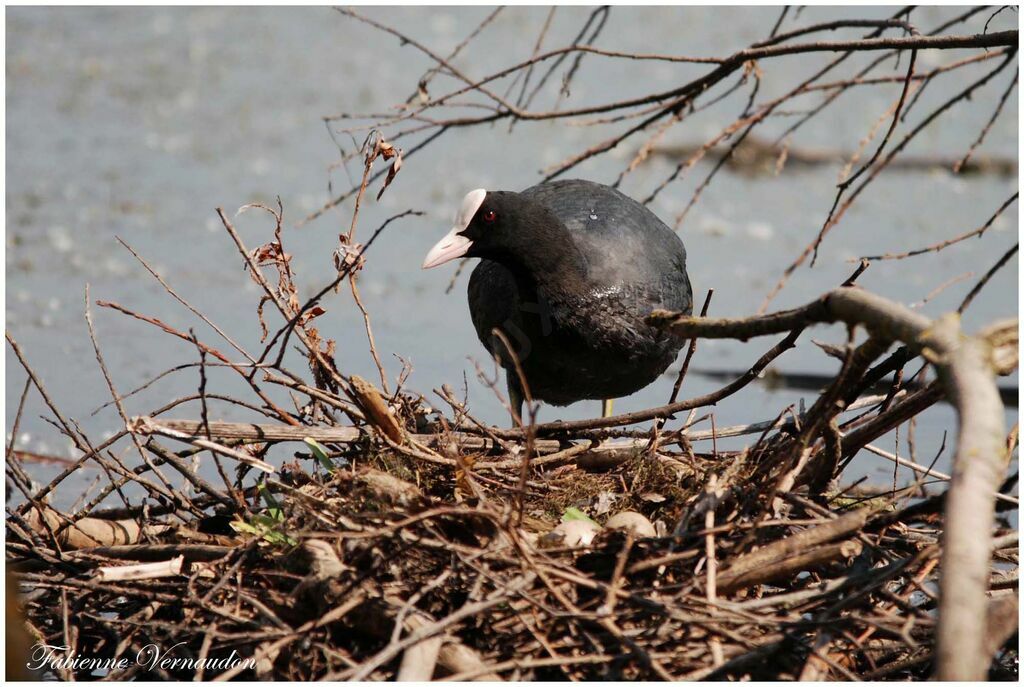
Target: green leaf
column 266, row 528
column 321, row 455
column 273, row 505
column 243, row 527
column 269, row 530
column 573, row 513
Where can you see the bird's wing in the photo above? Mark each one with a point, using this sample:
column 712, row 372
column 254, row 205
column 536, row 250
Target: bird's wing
column 493, row 302
column 622, row 241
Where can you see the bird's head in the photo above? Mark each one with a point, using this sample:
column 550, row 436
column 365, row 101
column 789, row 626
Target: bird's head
column 498, row 225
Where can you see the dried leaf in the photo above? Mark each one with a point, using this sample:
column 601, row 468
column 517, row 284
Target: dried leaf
column 752, row 67
column 375, row 409
column 258, row 206
column 392, row 172
column 311, row 314
column 349, row 258
column 259, row 314
column 604, row 502
column 463, row 477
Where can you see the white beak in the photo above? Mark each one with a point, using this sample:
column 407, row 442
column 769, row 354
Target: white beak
column 450, row 247
column 453, row 245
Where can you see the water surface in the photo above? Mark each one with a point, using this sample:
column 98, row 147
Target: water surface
column 138, row 123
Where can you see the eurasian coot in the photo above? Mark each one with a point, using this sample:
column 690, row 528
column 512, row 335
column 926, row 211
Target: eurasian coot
column 569, row 270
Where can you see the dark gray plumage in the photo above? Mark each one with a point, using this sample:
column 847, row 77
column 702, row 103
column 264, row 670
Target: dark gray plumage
column 570, row 270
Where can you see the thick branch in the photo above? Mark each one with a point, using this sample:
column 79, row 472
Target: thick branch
column 967, row 367
column 882, row 317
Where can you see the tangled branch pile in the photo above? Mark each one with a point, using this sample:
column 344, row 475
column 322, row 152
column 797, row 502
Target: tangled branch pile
column 394, row 577
column 420, row 543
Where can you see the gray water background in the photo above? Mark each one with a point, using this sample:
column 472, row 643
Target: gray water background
column 139, row 122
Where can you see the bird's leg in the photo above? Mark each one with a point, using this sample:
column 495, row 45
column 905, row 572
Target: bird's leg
column 606, row 407
column 515, row 397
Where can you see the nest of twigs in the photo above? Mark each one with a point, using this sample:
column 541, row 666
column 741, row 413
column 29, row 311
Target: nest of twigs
column 393, row 566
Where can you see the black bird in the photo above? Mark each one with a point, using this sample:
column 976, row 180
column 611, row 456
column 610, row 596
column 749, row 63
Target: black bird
column 568, row 272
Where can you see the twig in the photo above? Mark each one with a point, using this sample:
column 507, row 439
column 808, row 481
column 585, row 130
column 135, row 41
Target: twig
column 976, row 289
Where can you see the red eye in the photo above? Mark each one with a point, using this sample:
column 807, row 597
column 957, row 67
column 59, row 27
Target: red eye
column 489, row 216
